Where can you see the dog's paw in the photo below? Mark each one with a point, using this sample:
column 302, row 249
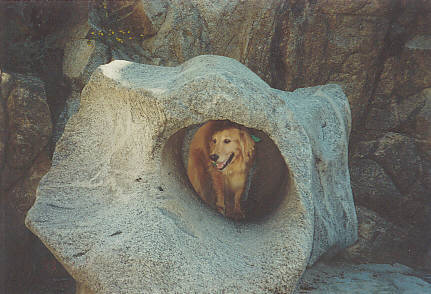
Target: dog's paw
column 221, row 210
column 238, row 214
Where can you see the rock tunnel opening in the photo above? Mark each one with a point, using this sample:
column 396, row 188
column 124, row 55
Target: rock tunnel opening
column 267, row 181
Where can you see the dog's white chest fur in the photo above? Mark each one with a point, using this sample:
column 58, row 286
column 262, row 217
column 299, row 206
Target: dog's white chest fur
column 234, row 180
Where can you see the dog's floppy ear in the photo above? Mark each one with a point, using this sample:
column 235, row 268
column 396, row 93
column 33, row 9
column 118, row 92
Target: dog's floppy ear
column 247, row 144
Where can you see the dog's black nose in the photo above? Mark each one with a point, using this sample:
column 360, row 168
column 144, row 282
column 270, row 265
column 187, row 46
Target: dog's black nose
column 214, row 157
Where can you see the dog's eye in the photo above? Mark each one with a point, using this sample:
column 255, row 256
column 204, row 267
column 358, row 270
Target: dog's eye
column 226, row 141
column 214, row 141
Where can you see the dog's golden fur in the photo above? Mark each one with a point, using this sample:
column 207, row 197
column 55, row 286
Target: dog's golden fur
column 220, row 157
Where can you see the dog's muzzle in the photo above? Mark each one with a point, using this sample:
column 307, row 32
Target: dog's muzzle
column 222, row 165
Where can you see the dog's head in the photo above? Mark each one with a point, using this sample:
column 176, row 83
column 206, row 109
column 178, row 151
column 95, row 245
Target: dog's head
column 230, row 145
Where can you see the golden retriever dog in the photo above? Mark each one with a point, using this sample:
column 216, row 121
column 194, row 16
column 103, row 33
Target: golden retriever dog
column 220, row 157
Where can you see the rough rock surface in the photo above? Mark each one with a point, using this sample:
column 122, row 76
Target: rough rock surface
column 117, row 209
column 394, row 140
column 26, row 126
column 25, row 130
column 381, row 241
column 377, row 50
column 391, row 175
column 29, row 127
column 171, row 32
column 333, row 41
column 81, row 57
column 365, row 278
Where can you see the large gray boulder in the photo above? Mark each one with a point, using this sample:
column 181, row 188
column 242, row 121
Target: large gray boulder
column 118, row 211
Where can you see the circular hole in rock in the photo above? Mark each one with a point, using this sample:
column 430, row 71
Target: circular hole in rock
column 266, row 182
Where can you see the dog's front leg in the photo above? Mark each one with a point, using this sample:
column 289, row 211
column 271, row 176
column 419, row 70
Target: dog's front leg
column 218, row 185
column 238, row 213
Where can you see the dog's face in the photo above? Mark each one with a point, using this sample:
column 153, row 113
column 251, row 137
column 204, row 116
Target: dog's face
column 228, row 146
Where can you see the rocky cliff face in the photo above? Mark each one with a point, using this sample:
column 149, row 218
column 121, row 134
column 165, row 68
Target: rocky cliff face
column 379, row 51
column 26, row 131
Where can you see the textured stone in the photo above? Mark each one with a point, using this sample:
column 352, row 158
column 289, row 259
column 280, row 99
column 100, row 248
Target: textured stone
column 29, row 127
column 388, row 178
column 120, row 159
column 365, row 278
column 71, row 107
column 397, row 154
column 314, row 42
column 171, row 32
column 383, row 115
column 6, row 82
column 372, row 186
column 407, row 73
column 408, row 108
column 367, row 7
column 3, row 135
column 415, row 74
column 83, row 53
column 400, row 90
column 423, row 119
column 3, row 248
column 76, row 57
column 22, row 195
column 242, row 30
column 427, row 174
column 27, row 131
column 398, row 197
column 333, row 46
column 81, row 58
column 144, row 16
column 380, row 241
column 421, row 42
column 21, row 247
column 415, row 112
